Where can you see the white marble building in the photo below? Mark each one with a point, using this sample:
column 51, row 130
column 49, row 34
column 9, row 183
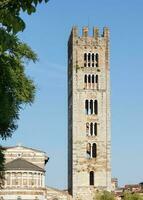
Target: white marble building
column 25, row 176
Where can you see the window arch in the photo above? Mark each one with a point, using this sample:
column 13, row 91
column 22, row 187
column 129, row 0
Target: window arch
column 92, row 78
column 97, row 59
column 96, row 79
column 95, row 107
column 88, row 150
column 92, row 57
column 91, row 129
column 86, row 107
column 85, row 57
column 91, row 107
column 91, row 178
column 89, row 79
column 85, row 81
column 89, row 57
column 87, row 128
column 94, row 150
column 95, row 129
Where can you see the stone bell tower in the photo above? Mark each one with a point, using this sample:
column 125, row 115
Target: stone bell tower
column 89, row 140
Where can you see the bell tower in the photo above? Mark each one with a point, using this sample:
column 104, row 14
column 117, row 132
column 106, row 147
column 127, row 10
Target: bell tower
column 89, row 140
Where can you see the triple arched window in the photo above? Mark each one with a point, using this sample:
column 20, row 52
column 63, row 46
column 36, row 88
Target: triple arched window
column 91, row 129
column 90, row 81
column 91, row 60
column 91, row 150
column 91, row 107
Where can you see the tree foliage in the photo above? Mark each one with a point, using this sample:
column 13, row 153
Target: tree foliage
column 132, row 196
column 104, row 195
column 10, row 13
column 2, row 161
column 16, row 88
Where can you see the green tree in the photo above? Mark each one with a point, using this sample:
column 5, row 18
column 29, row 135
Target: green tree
column 132, row 196
column 16, row 88
column 104, row 195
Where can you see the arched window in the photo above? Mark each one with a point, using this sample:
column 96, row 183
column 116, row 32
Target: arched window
column 91, row 107
column 94, row 150
column 89, row 79
column 86, row 107
column 91, row 129
column 92, row 57
column 89, row 57
column 91, row 178
column 95, row 107
column 85, row 79
column 97, row 59
column 92, row 78
column 88, row 150
column 95, row 129
column 96, row 78
column 85, row 57
column 87, row 128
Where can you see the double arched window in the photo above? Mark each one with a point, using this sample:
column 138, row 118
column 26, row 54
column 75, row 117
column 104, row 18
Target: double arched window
column 91, row 129
column 90, row 81
column 91, row 150
column 91, row 107
column 91, row 60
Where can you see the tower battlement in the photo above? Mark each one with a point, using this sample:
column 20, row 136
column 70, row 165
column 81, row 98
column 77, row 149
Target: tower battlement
column 85, row 33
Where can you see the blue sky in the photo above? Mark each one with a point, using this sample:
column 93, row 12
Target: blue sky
column 44, row 124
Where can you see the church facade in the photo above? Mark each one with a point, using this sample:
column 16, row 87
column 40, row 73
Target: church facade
column 89, row 139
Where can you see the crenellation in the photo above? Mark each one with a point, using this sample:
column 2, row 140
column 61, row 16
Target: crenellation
column 85, row 31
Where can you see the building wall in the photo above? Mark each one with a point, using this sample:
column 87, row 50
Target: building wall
column 80, row 163
column 32, row 155
column 28, row 185
column 24, row 179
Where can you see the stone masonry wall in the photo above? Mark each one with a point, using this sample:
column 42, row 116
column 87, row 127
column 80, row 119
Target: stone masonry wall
column 80, row 165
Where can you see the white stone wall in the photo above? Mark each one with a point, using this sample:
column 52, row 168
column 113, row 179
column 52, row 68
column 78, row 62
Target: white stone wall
column 24, row 179
column 32, row 155
column 79, row 165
